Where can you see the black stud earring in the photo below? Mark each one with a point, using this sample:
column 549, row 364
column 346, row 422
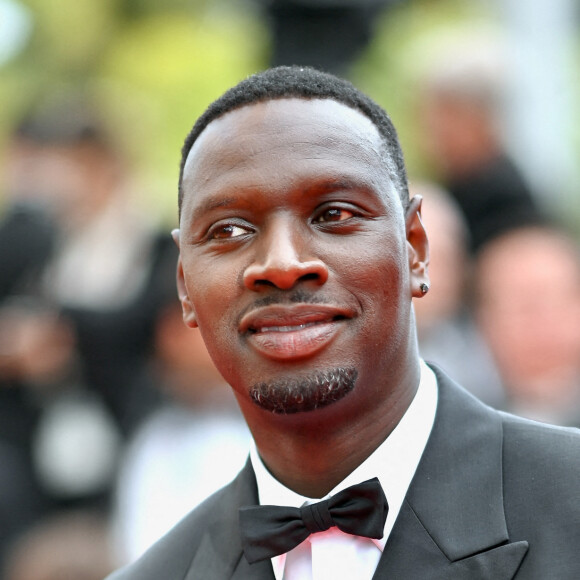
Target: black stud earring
column 424, row 288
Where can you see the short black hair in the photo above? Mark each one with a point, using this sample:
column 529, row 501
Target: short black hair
column 286, row 82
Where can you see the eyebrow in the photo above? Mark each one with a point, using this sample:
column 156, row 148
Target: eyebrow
column 324, row 186
column 333, row 184
column 214, row 203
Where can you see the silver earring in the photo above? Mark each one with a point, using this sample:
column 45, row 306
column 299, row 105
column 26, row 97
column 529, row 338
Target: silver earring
column 424, row 288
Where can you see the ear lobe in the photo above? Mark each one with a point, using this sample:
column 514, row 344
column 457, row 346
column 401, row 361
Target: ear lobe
column 186, row 306
column 418, row 248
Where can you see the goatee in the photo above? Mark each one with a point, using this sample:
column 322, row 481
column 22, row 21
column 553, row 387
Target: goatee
column 298, row 395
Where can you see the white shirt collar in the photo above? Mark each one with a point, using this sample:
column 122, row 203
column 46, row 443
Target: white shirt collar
column 394, row 462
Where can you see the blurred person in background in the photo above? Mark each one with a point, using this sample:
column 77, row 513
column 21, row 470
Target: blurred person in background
column 446, row 329
column 66, row 166
column 528, row 309
column 459, row 112
column 82, row 275
column 195, row 443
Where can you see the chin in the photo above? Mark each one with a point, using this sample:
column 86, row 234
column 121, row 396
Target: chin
column 290, row 395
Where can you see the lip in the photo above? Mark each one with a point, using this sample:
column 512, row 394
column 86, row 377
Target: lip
column 293, row 332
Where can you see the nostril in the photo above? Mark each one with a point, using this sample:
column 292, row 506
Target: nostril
column 264, row 282
column 310, row 276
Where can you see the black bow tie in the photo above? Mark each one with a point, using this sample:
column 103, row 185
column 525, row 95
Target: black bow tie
column 268, row 531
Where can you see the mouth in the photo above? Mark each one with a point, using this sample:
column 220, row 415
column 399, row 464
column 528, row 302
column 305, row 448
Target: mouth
column 293, row 332
column 294, row 327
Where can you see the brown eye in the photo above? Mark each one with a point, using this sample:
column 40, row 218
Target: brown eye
column 334, row 214
column 227, row 231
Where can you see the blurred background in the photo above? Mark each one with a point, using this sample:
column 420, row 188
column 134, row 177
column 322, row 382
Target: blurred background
column 110, row 409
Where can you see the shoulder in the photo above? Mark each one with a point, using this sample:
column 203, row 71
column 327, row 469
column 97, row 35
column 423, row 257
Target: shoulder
column 542, row 458
column 541, row 469
column 529, row 438
column 527, row 447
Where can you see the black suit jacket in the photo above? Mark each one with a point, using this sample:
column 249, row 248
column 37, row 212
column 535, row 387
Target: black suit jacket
column 494, row 497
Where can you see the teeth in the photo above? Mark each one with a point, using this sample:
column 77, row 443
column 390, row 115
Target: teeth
column 285, row 328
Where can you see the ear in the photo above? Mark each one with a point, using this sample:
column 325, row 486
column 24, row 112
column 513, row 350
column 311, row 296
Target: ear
column 418, row 248
column 186, row 306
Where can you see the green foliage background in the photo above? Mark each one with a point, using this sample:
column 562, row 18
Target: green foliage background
column 154, row 66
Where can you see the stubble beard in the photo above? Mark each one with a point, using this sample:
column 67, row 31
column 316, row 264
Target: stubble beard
column 298, row 395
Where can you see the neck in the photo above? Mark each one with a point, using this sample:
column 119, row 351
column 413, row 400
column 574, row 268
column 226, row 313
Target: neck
column 312, row 452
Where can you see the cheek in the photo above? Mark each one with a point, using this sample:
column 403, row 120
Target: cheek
column 378, row 269
column 377, row 276
column 211, row 290
column 216, row 331
column 207, row 279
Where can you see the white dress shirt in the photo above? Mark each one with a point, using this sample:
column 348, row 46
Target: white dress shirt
column 335, row 555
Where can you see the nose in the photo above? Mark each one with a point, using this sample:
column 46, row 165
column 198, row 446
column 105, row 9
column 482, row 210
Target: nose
column 283, row 260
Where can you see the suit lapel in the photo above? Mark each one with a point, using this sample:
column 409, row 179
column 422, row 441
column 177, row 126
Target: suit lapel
column 220, row 555
column 452, row 523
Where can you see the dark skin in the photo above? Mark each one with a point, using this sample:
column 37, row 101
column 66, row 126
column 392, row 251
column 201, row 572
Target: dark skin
column 296, row 256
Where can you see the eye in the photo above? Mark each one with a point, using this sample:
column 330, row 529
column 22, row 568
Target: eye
column 227, row 231
column 334, row 214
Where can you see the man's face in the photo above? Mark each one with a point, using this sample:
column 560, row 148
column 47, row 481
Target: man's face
column 294, row 259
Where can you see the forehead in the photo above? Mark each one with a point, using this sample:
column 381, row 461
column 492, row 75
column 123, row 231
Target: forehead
column 293, row 116
column 288, row 136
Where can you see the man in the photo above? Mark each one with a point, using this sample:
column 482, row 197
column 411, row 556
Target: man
column 300, row 253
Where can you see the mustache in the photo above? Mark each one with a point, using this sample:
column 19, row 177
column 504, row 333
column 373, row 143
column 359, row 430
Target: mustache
column 298, row 296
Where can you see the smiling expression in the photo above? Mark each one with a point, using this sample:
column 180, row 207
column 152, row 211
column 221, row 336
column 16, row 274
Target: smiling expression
column 294, row 257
